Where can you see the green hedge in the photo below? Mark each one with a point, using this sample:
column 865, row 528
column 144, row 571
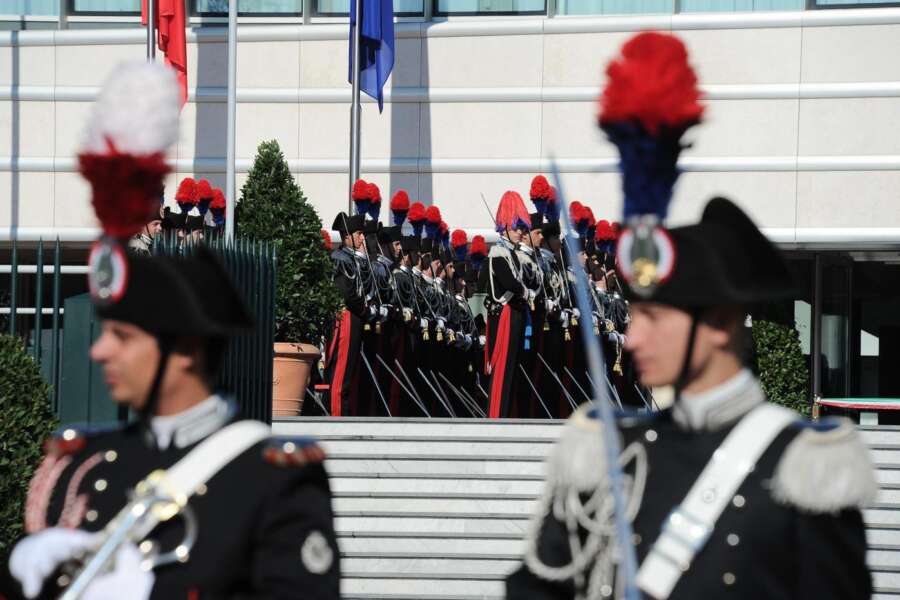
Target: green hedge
column 780, row 365
column 26, row 420
column 273, row 208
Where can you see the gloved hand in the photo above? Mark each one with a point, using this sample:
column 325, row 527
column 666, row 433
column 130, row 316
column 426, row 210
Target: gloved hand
column 564, row 316
column 127, row 580
column 38, row 555
column 373, row 311
column 576, row 313
column 383, row 311
column 482, row 341
column 530, row 295
column 407, row 314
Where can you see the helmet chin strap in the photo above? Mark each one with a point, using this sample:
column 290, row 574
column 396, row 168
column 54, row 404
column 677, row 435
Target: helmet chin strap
column 166, row 344
column 682, row 380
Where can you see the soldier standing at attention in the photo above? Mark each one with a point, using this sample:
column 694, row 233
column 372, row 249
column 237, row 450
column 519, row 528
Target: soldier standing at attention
column 246, row 515
column 729, row 496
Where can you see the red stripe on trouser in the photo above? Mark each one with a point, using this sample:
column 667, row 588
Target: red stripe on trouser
column 340, row 370
column 334, row 337
column 487, row 344
column 498, row 362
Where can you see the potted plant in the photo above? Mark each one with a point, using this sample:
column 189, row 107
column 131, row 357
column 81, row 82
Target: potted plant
column 273, row 208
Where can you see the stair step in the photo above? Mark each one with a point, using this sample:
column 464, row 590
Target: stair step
column 452, row 476
column 434, row 495
column 453, row 449
column 492, row 568
column 444, row 487
column 485, row 428
column 354, row 584
column 434, row 547
column 455, row 506
column 337, row 465
column 368, row 523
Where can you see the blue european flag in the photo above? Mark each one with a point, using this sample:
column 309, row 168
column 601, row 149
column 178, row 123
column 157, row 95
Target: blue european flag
column 376, row 46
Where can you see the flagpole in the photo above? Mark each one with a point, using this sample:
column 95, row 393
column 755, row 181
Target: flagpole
column 231, row 120
column 151, row 30
column 355, row 109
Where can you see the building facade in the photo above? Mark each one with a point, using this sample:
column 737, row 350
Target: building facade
column 802, row 127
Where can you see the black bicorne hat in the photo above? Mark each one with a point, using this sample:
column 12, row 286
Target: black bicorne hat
column 550, row 229
column 410, row 243
column 371, row 227
column 722, row 260
column 537, row 221
column 197, row 288
column 389, row 234
column 345, row 224
column 172, row 219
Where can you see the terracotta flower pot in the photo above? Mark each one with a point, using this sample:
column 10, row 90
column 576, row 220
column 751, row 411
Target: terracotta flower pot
column 290, row 376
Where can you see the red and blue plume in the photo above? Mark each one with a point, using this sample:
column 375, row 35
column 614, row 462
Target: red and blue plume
column 400, row 206
column 204, row 196
column 588, row 211
column 444, row 234
column 416, row 217
column 217, row 207
column 580, row 218
column 432, row 221
column 361, row 196
column 187, row 195
column 460, row 243
column 552, row 207
column 540, row 193
column 605, row 236
column 326, row 240
column 511, row 213
column 650, row 100
column 374, row 201
column 477, row 251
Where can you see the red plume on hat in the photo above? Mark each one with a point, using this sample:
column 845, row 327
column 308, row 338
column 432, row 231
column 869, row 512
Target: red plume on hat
column 432, row 221
column 416, row 217
column 400, row 206
column 511, row 213
column 459, row 241
column 374, row 193
column 477, row 251
column 589, row 213
column 204, row 190
column 605, row 231
column 575, row 211
column 218, row 200
column 361, row 196
column 188, row 193
column 326, row 240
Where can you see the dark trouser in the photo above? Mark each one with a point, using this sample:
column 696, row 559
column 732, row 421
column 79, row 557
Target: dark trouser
column 552, row 348
column 505, row 337
column 343, row 362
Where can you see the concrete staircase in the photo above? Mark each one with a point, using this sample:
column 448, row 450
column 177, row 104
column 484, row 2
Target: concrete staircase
column 434, row 509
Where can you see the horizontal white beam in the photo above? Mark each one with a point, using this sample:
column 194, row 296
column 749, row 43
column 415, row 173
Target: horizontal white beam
column 480, row 27
column 31, row 311
column 48, row 269
column 697, row 164
column 777, row 91
column 50, row 234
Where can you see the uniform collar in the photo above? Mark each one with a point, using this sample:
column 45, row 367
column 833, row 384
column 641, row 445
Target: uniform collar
column 526, row 250
column 720, row 405
column 505, row 243
column 191, row 425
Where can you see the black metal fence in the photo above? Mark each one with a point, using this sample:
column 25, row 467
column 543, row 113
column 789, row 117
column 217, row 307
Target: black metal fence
column 55, row 317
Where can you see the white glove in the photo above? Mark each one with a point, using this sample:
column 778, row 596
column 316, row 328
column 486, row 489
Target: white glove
column 423, row 323
column 38, row 555
column 482, row 341
column 407, row 314
column 530, row 295
column 383, row 311
column 576, row 313
column 373, row 310
column 564, row 316
column 128, row 580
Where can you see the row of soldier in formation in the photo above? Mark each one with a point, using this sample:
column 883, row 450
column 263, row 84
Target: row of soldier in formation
column 436, row 325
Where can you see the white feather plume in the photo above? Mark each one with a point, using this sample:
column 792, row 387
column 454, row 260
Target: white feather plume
column 137, row 110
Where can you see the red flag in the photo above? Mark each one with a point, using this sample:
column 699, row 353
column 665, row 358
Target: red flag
column 171, row 37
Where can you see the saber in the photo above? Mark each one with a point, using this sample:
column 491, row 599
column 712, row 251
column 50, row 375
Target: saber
column 559, row 381
column 575, row 381
column 474, row 402
column 466, row 402
column 610, row 439
column 319, row 402
column 447, row 398
column 651, row 404
column 409, row 382
column 441, row 392
column 374, row 379
column 612, row 388
column 434, row 391
column 405, row 389
column 533, row 389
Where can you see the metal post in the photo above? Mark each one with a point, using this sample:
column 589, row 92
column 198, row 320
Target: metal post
column 38, row 301
column 355, row 110
column 232, row 116
column 54, row 351
column 151, row 30
column 816, row 345
column 13, row 276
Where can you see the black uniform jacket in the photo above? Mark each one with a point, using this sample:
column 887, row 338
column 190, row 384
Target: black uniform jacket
column 809, row 544
column 265, row 523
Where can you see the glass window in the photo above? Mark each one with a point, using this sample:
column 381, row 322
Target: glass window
column 47, row 8
column 851, row 3
column 835, row 327
column 740, row 5
column 341, row 8
column 105, row 7
column 490, row 7
column 250, row 7
column 615, row 7
column 876, row 329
